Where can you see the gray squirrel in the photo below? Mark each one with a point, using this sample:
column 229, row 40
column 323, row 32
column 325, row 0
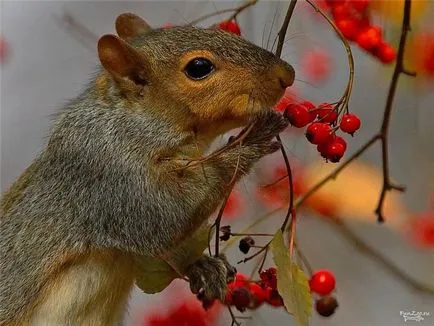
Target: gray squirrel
column 112, row 184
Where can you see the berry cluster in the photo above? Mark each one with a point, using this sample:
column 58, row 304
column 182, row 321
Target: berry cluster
column 245, row 294
column 354, row 21
column 321, row 122
column 323, row 283
column 230, row 26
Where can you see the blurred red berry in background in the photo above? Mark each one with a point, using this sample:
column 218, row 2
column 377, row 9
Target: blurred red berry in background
column 4, row 49
column 185, row 313
column 422, row 53
column 230, row 26
column 234, row 205
column 422, row 230
column 316, row 65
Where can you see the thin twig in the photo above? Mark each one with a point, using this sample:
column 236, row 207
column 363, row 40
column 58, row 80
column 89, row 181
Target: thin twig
column 282, row 31
column 303, row 258
column 252, row 234
column 218, row 220
column 292, row 233
column 347, row 94
column 234, row 319
column 236, row 11
column 257, row 221
column 399, row 69
column 343, row 229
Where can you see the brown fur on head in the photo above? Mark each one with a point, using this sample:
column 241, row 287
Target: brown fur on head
column 151, row 64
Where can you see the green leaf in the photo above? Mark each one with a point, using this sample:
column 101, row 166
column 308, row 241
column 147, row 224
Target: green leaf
column 154, row 274
column 292, row 283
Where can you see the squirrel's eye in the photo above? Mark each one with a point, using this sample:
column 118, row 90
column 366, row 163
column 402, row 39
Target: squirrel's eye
column 198, row 68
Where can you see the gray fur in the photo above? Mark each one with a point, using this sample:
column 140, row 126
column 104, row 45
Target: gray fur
column 96, row 185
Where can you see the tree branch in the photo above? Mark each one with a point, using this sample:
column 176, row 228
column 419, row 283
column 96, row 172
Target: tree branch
column 384, row 133
column 236, row 11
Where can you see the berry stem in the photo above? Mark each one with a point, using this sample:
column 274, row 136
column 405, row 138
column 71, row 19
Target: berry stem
column 346, row 96
column 384, row 132
column 283, row 29
column 252, row 234
column 217, row 222
column 303, row 258
column 234, row 318
column 257, row 221
column 236, row 11
column 292, row 233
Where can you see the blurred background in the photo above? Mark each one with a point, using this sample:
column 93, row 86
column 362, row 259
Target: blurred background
column 48, row 51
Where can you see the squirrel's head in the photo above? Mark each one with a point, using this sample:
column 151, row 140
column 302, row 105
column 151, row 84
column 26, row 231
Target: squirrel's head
column 210, row 73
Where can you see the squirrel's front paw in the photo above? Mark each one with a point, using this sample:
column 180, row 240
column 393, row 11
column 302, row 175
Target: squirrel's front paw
column 266, row 125
column 209, row 276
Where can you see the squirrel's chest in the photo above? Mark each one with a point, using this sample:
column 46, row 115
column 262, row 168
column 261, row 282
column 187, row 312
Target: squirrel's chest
column 90, row 293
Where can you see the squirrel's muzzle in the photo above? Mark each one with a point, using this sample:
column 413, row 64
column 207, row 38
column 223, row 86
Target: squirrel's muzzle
column 285, row 74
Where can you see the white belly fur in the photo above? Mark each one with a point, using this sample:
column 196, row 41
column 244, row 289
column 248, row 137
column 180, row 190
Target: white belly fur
column 91, row 293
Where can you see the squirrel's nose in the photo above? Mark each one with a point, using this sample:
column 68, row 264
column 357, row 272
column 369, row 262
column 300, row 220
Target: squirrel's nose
column 286, row 74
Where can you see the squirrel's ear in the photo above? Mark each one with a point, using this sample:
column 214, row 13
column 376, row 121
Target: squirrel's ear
column 121, row 59
column 130, row 25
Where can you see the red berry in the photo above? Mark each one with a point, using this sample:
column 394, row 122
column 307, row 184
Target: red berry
column 240, row 280
column 326, row 306
column 360, row 5
column 269, row 277
column 310, row 108
column 342, row 11
column 369, row 38
column 385, row 52
column 298, row 115
column 245, row 244
column 228, row 298
column 335, row 151
column 322, row 149
column 316, row 65
column 334, row 3
column 230, row 26
column 241, row 298
column 340, row 140
column 350, row 123
column 259, row 295
column 422, row 230
column 283, row 103
column 274, row 298
column 322, row 282
column 348, row 28
column 326, row 113
column 318, row 133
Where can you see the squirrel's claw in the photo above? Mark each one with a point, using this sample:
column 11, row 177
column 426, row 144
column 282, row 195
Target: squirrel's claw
column 209, row 276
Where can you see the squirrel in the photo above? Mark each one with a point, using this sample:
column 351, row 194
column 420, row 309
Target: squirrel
column 113, row 181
